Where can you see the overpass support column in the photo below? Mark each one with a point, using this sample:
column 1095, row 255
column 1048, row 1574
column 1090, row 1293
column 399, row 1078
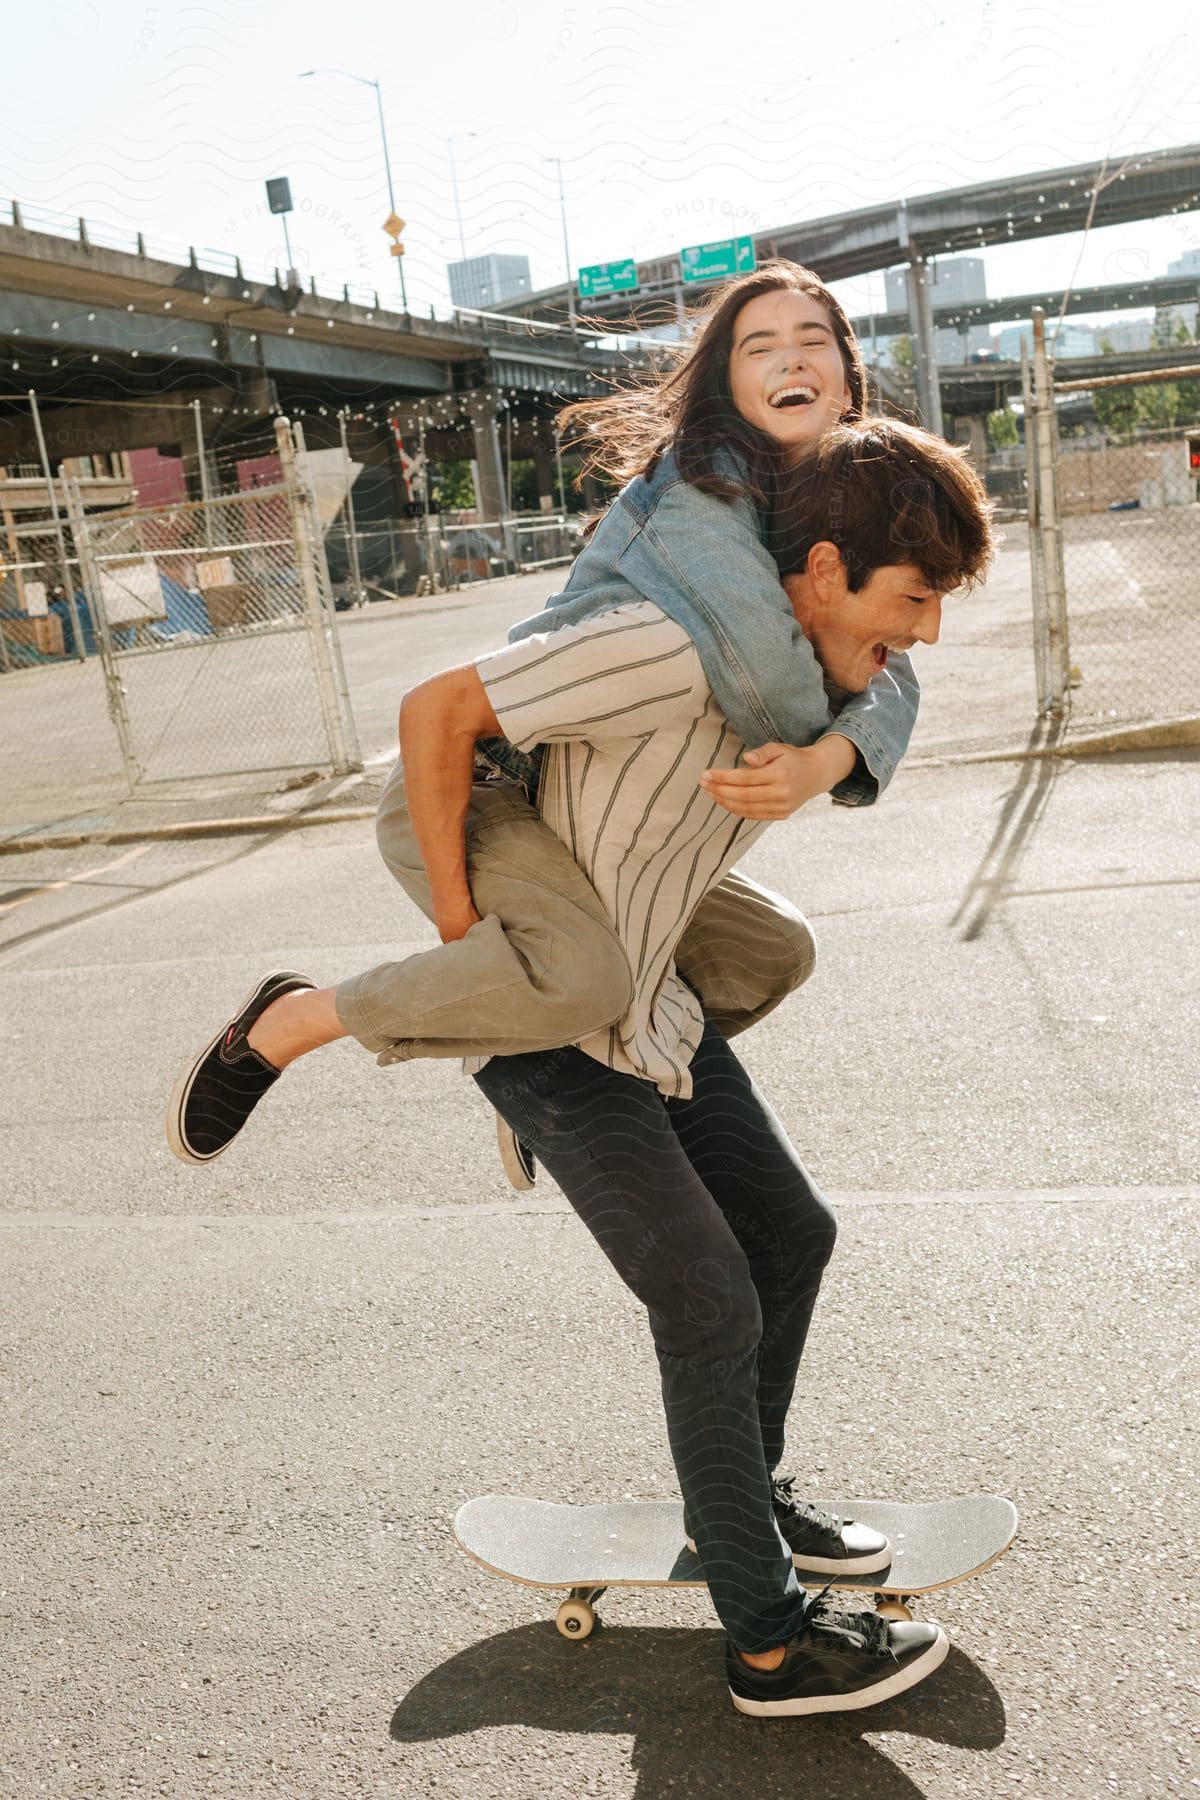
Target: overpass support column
column 920, row 313
column 543, row 463
column 492, row 494
column 971, row 430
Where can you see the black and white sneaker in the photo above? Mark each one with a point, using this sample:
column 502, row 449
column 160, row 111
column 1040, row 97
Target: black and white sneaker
column 820, row 1542
column 838, row 1661
column 219, row 1089
column 517, row 1157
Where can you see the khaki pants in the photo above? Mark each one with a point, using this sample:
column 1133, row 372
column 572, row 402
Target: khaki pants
column 543, row 967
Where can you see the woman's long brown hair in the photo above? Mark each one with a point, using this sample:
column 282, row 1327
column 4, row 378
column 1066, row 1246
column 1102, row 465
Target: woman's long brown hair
column 690, row 408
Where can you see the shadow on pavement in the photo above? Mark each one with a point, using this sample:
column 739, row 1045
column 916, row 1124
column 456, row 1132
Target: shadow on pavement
column 1019, row 818
column 666, row 1690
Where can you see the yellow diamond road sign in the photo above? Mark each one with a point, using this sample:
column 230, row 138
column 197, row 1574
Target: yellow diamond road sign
column 393, row 225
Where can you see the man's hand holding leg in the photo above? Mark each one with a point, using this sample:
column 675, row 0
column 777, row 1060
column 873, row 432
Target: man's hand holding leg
column 440, row 722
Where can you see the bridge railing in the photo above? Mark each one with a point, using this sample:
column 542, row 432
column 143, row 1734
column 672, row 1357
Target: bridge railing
column 586, row 335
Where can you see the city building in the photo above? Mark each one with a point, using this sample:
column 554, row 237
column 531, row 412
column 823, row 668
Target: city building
column 1188, row 311
column 1125, row 334
column 1069, row 339
column 953, row 280
column 488, row 280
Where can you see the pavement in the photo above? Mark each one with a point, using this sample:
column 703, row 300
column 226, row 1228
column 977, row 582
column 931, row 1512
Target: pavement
column 243, row 1402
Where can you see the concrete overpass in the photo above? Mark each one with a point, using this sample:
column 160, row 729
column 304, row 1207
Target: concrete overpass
column 967, row 385
column 118, row 345
column 1121, row 296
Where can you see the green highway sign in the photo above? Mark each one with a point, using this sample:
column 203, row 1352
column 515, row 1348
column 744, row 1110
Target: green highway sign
column 709, row 262
column 608, row 278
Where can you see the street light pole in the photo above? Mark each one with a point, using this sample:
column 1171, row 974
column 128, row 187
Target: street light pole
column 367, row 81
column 387, row 166
column 562, row 209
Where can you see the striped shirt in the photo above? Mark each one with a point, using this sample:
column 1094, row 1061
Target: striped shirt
column 623, row 705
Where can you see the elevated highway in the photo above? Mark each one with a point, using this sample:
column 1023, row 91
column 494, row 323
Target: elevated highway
column 1121, row 296
column 118, row 346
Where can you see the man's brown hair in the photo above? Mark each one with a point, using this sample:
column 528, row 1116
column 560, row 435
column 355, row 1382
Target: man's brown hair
column 885, row 493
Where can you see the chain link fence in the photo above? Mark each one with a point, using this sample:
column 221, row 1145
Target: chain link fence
column 440, row 554
column 1114, row 543
column 208, row 640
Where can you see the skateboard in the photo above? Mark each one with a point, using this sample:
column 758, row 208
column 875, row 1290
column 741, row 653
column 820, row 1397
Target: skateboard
column 640, row 1543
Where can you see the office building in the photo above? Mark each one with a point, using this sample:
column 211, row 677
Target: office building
column 954, row 280
column 488, row 280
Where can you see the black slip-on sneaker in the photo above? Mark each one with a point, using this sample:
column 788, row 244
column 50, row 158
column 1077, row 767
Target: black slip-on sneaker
column 838, row 1661
column 820, row 1542
column 219, row 1089
column 517, row 1157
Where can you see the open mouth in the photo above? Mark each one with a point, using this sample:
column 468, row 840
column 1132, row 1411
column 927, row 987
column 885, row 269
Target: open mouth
column 879, row 656
column 792, row 396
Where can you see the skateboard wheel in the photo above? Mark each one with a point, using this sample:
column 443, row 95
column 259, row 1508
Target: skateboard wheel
column 575, row 1619
column 893, row 1609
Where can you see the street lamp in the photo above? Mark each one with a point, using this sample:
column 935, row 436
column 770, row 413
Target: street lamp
column 562, row 208
column 366, row 81
column 450, row 143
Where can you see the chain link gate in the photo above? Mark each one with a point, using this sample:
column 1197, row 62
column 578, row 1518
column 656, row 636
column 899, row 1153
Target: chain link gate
column 216, row 629
column 1116, row 621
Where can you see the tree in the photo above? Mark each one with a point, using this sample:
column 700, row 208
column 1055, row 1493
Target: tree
column 1117, row 407
column 1002, row 427
column 1158, row 405
column 454, row 487
column 902, row 353
column 1158, row 402
column 1188, row 391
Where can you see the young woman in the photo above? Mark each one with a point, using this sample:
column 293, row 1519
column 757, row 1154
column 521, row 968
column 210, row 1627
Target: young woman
column 529, row 958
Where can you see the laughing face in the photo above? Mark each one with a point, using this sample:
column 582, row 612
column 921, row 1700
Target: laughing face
column 852, row 634
column 786, row 373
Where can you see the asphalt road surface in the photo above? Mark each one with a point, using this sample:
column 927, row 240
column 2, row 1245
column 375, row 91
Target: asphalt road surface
column 242, row 1403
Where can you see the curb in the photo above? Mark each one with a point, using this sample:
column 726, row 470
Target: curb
column 190, row 828
column 1161, row 734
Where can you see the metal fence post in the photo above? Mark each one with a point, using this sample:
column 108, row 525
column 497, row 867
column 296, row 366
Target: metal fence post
column 318, row 601
column 89, row 577
column 68, row 584
column 1037, row 581
column 202, row 470
column 351, row 524
column 1054, row 696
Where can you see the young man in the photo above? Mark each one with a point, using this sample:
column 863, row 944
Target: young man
column 650, row 1126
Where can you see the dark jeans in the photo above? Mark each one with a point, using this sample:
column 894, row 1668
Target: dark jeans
column 706, row 1213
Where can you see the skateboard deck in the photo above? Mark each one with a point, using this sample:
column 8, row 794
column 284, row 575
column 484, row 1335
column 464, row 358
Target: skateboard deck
column 640, row 1543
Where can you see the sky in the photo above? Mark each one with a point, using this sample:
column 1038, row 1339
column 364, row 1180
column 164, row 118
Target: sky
column 675, row 124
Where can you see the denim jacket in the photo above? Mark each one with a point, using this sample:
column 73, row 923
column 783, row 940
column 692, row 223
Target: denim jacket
column 704, row 562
